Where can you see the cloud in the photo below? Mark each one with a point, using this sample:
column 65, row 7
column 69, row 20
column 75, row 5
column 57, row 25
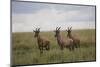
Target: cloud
column 27, row 7
column 51, row 16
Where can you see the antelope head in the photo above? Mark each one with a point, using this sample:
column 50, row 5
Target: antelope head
column 36, row 32
column 57, row 31
column 69, row 30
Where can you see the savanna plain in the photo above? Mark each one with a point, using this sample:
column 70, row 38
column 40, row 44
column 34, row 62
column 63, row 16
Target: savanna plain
column 25, row 48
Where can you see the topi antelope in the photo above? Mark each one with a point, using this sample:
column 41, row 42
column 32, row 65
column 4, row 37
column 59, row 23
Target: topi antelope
column 43, row 43
column 76, row 40
column 68, row 43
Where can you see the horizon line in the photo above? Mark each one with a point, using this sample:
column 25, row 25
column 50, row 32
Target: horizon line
column 52, row 30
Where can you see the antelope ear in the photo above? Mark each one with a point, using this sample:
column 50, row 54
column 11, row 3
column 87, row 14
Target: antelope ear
column 56, row 28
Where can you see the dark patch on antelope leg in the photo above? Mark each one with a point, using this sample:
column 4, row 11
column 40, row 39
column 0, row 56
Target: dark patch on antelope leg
column 41, row 50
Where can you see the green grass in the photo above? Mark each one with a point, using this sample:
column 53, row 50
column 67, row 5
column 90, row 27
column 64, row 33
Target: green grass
column 25, row 48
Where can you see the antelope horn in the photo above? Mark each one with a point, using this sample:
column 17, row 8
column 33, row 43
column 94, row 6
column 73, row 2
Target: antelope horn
column 59, row 28
column 70, row 28
column 56, row 28
column 38, row 29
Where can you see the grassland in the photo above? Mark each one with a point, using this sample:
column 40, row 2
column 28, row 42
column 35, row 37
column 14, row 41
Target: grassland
column 25, row 50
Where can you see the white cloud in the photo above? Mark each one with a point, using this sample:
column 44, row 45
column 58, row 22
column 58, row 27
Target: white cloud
column 49, row 19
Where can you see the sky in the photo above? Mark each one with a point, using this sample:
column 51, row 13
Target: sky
column 26, row 16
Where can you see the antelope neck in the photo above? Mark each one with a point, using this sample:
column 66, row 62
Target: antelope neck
column 38, row 37
column 59, row 38
column 69, row 35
